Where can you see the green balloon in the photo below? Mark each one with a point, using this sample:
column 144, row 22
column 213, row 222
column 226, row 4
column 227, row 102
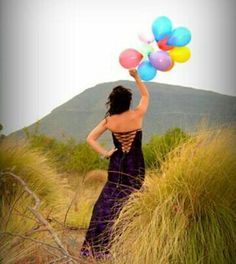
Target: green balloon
column 146, row 50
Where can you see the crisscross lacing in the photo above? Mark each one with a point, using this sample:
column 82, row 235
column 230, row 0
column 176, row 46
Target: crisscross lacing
column 126, row 139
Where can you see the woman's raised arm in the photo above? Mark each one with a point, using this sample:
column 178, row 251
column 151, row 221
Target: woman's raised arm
column 144, row 100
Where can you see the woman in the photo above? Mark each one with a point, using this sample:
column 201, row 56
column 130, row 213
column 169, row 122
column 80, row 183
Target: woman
column 126, row 167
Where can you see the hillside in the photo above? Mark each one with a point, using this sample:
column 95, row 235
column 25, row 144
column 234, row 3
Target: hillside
column 170, row 106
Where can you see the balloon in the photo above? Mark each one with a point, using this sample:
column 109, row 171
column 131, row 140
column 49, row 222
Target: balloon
column 162, row 44
column 146, row 71
column 180, row 54
column 130, row 58
column 171, row 66
column 161, row 27
column 180, row 37
column 146, row 38
column 146, row 50
column 161, row 60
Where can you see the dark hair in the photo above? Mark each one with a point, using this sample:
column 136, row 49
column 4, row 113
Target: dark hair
column 119, row 100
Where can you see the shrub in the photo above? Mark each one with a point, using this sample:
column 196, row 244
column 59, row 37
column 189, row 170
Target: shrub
column 160, row 145
column 69, row 156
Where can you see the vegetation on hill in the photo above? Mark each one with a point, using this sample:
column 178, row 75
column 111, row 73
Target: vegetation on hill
column 1, row 135
column 72, row 157
column 68, row 155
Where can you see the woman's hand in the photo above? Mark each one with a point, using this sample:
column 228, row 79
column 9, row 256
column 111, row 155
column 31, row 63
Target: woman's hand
column 133, row 73
column 110, row 152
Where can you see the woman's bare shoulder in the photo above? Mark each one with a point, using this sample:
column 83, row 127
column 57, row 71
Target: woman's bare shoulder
column 108, row 121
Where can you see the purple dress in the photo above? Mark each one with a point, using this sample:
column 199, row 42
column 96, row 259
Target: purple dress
column 126, row 174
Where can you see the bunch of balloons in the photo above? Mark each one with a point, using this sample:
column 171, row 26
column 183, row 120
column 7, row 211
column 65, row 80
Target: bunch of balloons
column 159, row 51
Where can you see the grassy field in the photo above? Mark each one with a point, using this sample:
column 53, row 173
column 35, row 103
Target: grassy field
column 184, row 213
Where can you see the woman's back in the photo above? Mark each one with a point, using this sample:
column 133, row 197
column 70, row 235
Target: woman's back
column 127, row 121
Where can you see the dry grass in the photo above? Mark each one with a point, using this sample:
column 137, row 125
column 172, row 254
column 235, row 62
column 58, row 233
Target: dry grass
column 87, row 193
column 95, row 178
column 186, row 212
column 41, row 177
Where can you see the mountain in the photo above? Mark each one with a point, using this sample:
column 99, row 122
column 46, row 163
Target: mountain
column 170, row 106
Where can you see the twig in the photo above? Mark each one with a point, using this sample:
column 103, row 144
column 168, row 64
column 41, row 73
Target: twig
column 39, row 216
column 11, row 209
column 25, row 216
column 50, row 252
column 68, row 209
column 58, row 260
column 29, row 238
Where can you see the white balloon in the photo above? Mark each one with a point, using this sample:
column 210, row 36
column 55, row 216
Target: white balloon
column 146, row 37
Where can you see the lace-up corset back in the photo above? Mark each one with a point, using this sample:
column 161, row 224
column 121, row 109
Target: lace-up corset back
column 126, row 139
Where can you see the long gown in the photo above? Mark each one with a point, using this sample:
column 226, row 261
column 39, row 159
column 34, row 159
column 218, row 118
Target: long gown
column 126, row 172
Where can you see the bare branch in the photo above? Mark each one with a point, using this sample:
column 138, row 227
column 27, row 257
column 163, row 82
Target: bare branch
column 58, row 260
column 69, row 207
column 23, row 215
column 29, row 238
column 35, row 211
column 11, row 209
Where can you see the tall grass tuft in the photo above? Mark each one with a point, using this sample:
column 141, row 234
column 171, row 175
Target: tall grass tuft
column 88, row 191
column 41, row 177
column 186, row 212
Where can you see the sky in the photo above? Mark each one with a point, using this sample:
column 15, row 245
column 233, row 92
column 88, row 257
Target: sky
column 52, row 50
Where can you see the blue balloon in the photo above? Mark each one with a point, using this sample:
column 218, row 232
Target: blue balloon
column 161, row 27
column 146, row 71
column 180, row 37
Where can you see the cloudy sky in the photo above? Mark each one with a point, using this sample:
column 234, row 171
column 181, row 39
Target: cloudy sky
column 52, row 50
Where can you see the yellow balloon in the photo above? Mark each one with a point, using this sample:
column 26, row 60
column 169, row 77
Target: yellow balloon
column 180, row 54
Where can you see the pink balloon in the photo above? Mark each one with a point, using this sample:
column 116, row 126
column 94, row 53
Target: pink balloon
column 161, row 60
column 146, row 38
column 130, row 58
